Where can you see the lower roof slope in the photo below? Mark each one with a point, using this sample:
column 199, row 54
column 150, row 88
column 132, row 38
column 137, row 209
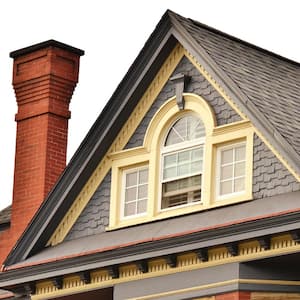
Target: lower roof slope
column 5, row 215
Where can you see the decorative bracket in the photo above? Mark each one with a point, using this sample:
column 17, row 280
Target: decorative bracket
column 296, row 235
column 85, row 277
column 171, row 260
column 202, row 254
column 265, row 242
column 180, row 80
column 113, row 271
column 58, row 282
column 24, row 291
column 233, row 248
column 142, row 265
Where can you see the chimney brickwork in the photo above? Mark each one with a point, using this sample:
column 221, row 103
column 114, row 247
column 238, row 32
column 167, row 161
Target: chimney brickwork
column 44, row 78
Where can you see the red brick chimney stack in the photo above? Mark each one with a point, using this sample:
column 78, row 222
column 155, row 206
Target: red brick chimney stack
column 44, row 78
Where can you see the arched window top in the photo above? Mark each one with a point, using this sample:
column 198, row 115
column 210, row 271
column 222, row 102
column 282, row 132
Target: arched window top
column 187, row 128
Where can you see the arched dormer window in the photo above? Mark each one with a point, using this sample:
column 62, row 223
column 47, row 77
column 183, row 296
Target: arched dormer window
column 186, row 164
column 182, row 162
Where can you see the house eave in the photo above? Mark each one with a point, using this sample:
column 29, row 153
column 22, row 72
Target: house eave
column 281, row 223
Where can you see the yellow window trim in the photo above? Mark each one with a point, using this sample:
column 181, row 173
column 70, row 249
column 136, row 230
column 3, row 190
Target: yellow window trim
column 149, row 154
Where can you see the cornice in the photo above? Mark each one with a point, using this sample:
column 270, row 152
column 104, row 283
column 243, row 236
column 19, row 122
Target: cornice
column 162, row 247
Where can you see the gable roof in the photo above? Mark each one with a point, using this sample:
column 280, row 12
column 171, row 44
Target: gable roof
column 218, row 53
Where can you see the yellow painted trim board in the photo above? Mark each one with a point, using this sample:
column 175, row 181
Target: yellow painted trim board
column 215, row 285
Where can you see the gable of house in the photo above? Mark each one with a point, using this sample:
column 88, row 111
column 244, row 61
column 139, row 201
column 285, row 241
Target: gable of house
column 270, row 176
column 233, row 210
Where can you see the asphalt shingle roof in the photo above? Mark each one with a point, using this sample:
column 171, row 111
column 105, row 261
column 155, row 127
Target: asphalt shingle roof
column 5, row 215
column 270, row 82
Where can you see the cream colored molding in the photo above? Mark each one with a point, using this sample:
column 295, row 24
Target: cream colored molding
column 221, row 91
column 128, row 129
column 168, row 113
column 248, row 250
column 254, row 295
column 274, row 296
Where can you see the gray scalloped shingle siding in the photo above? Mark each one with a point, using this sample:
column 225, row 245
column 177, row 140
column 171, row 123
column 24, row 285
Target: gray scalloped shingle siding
column 95, row 216
column 270, row 177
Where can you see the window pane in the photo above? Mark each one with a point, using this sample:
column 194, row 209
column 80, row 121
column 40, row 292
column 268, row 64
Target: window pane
column 143, row 191
column 170, row 172
column 226, row 156
column 197, row 153
column 233, row 169
column 143, row 176
column 184, row 156
column 130, row 194
column 141, row 206
column 135, row 191
column 239, row 184
column 240, row 153
column 197, row 166
column 239, row 169
column 226, row 172
column 185, row 129
column 131, row 179
column 130, row 209
column 226, row 187
column 181, row 191
column 184, row 169
column 170, row 160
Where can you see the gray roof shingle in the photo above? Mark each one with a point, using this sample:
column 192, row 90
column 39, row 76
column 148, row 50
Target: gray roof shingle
column 269, row 81
column 5, row 215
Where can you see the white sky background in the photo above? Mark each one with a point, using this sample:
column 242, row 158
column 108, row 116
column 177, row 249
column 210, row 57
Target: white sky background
column 112, row 33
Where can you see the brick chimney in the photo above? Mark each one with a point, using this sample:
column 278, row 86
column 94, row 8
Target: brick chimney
column 44, row 78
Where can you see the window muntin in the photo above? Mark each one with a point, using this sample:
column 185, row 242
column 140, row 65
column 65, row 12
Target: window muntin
column 135, row 192
column 185, row 129
column 232, row 169
column 182, row 162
